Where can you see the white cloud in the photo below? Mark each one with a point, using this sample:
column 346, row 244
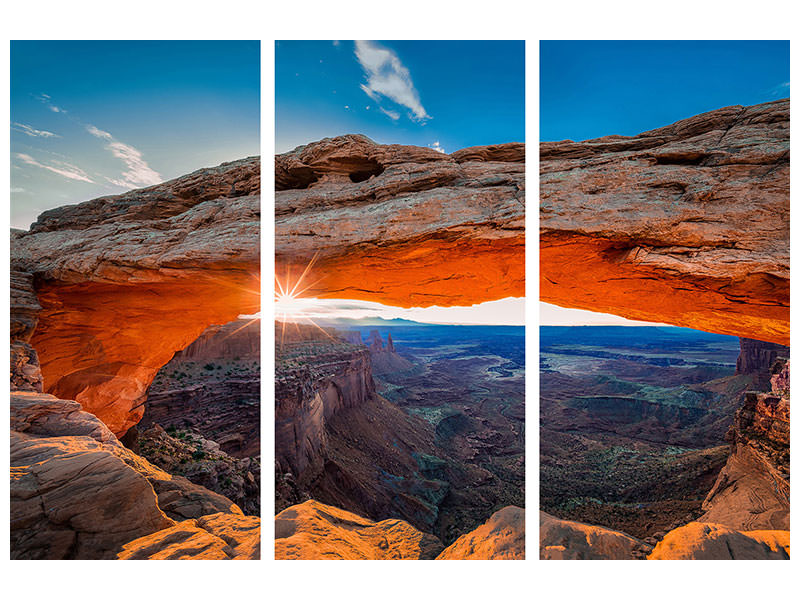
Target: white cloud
column 550, row 314
column 388, row 77
column 139, row 173
column 46, row 100
column 336, row 42
column 390, row 113
column 18, row 190
column 64, row 169
column 437, row 146
column 28, row 130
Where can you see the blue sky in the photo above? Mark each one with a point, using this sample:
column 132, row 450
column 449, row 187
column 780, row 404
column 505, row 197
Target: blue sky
column 95, row 118
column 448, row 94
column 589, row 89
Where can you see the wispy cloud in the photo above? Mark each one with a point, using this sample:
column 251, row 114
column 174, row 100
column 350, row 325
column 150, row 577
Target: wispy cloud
column 139, row 173
column 47, row 101
column 437, row 146
column 389, row 78
column 60, row 168
column 390, row 113
column 782, row 89
column 28, row 130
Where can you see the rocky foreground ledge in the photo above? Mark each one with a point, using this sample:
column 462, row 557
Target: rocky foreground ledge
column 313, row 530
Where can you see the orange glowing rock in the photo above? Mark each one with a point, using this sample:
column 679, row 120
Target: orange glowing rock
column 126, row 281
column 687, row 224
column 402, row 225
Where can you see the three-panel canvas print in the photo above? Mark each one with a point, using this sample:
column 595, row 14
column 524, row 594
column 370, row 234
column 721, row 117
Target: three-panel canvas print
column 386, row 391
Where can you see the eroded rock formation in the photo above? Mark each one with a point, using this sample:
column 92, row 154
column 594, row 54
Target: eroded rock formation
column 313, row 530
column 126, row 281
column 752, row 490
column 502, row 537
column 570, row 540
column 213, row 388
column 402, row 225
column 77, row 493
column 213, row 537
column 701, row 541
column 756, row 358
column 687, row 224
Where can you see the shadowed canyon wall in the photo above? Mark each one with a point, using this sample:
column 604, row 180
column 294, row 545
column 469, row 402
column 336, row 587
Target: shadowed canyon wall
column 126, row 281
column 686, row 224
column 402, row 225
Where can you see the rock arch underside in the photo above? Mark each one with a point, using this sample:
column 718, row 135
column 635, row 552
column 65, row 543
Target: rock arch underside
column 686, row 224
column 124, row 282
column 402, row 225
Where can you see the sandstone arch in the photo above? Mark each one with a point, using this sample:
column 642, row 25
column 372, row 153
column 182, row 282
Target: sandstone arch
column 125, row 281
column 402, row 225
column 687, row 224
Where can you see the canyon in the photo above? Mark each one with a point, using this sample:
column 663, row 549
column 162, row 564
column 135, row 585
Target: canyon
column 104, row 293
column 685, row 225
column 434, row 440
column 406, row 226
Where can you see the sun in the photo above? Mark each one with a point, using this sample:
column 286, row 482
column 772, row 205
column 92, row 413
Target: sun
column 290, row 304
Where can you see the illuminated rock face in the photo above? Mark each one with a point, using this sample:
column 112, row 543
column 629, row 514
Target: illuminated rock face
column 402, row 225
column 313, row 531
column 687, row 224
column 126, row 281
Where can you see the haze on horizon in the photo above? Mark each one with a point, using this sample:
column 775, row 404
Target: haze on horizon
column 507, row 311
column 97, row 118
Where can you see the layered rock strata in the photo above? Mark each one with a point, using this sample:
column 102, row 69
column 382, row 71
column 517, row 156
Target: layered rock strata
column 752, row 490
column 212, row 388
column 402, row 225
column 125, row 281
column 756, row 358
column 687, row 224
column 219, row 536
column 313, row 530
column 77, row 493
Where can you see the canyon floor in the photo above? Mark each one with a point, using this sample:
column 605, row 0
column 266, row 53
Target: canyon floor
column 415, row 422
column 635, row 424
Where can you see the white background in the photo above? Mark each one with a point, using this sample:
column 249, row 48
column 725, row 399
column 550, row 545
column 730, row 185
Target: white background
column 496, row 19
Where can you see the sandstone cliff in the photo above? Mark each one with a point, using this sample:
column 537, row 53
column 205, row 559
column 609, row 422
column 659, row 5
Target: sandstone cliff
column 687, row 224
column 339, row 442
column 402, row 225
column 752, row 490
column 756, row 358
column 125, row 281
column 213, row 388
column 77, row 493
